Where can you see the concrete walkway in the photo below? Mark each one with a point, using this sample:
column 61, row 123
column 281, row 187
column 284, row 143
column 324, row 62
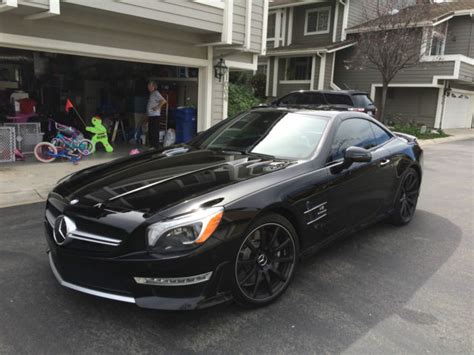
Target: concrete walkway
column 31, row 181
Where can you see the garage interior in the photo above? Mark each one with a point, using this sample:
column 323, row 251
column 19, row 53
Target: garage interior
column 112, row 89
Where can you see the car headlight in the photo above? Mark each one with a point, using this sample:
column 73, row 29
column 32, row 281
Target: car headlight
column 184, row 232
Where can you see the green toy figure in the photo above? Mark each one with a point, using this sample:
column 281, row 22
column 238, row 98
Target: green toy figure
column 100, row 134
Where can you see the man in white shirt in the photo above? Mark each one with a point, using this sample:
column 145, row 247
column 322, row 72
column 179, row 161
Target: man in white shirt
column 155, row 102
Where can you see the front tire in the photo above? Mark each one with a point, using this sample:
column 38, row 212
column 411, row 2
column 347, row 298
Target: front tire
column 266, row 261
column 86, row 147
column 407, row 198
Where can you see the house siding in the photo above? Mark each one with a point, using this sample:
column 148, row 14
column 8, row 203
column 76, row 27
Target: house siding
column 257, row 25
column 460, row 38
column 416, row 105
column 284, row 89
column 238, row 28
column 299, row 22
column 361, row 11
column 119, row 31
column 363, row 79
column 466, row 73
column 185, row 13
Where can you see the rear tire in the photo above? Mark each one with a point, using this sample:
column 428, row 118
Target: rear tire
column 407, row 198
column 266, row 261
column 45, row 152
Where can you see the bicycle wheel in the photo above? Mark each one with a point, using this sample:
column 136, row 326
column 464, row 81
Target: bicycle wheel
column 45, row 152
column 86, row 147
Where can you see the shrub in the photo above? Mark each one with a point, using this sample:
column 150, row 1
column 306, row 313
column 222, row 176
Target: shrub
column 241, row 98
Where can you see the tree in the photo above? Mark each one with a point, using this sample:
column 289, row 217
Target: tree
column 389, row 43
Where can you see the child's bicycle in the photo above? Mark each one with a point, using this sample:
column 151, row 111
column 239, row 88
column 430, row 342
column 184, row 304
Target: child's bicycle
column 69, row 143
column 72, row 139
column 47, row 152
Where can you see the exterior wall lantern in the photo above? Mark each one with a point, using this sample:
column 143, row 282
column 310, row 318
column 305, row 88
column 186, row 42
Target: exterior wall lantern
column 220, row 69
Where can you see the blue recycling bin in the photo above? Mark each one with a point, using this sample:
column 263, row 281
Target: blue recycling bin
column 186, row 123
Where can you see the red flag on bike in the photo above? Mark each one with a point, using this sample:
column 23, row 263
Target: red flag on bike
column 69, row 105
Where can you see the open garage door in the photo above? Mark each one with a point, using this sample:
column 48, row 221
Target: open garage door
column 458, row 110
column 113, row 89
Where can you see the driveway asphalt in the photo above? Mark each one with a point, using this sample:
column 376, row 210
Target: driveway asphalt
column 382, row 290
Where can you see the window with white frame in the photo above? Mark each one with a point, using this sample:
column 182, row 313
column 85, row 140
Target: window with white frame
column 275, row 27
column 298, row 68
column 317, row 21
column 438, row 39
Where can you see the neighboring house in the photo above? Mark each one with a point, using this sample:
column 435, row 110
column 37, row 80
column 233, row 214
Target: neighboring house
column 186, row 33
column 438, row 92
column 303, row 39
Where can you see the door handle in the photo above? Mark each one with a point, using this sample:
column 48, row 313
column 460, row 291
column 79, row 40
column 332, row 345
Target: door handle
column 384, row 162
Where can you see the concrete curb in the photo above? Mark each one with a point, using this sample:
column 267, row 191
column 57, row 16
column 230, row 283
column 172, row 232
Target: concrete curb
column 428, row 142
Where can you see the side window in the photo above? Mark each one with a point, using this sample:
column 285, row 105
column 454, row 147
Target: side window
column 303, row 98
column 352, row 132
column 381, row 136
column 291, row 99
column 315, row 98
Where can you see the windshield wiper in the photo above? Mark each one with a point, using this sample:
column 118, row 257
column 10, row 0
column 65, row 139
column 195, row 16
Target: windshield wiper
column 226, row 151
column 261, row 155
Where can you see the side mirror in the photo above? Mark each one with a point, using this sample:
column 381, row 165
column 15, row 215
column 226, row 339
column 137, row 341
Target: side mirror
column 352, row 155
column 357, row 155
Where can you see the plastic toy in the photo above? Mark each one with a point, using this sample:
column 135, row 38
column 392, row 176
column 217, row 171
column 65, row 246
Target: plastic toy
column 100, row 134
column 72, row 139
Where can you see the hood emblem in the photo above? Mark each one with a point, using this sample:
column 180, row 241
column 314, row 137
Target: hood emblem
column 63, row 226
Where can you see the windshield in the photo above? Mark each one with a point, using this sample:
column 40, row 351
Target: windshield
column 274, row 133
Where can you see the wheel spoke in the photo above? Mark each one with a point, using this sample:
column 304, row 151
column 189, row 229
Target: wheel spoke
column 274, row 236
column 410, row 183
column 268, row 282
column 283, row 260
column 281, row 246
column 277, row 273
column 257, row 283
column 251, row 247
column 249, row 275
column 245, row 262
column 403, row 209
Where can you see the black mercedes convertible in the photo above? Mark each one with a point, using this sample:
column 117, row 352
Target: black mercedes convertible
column 229, row 214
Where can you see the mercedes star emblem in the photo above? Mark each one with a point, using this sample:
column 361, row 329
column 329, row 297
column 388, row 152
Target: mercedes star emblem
column 63, row 226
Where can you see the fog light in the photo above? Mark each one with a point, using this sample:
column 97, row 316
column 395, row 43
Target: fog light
column 173, row 281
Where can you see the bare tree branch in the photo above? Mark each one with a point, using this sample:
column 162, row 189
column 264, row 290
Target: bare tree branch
column 389, row 41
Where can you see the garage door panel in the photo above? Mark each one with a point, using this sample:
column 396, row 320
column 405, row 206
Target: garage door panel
column 459, row 110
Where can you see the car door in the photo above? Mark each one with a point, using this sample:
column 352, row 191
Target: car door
column 354, row 196
column 383, row 157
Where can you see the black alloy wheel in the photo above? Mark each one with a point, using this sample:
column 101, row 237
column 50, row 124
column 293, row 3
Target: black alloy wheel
column 405, row 205
column 266, row 261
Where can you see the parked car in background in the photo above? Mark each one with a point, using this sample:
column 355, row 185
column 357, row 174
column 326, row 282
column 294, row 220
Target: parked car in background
column 346, row 100
column 230, row 213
